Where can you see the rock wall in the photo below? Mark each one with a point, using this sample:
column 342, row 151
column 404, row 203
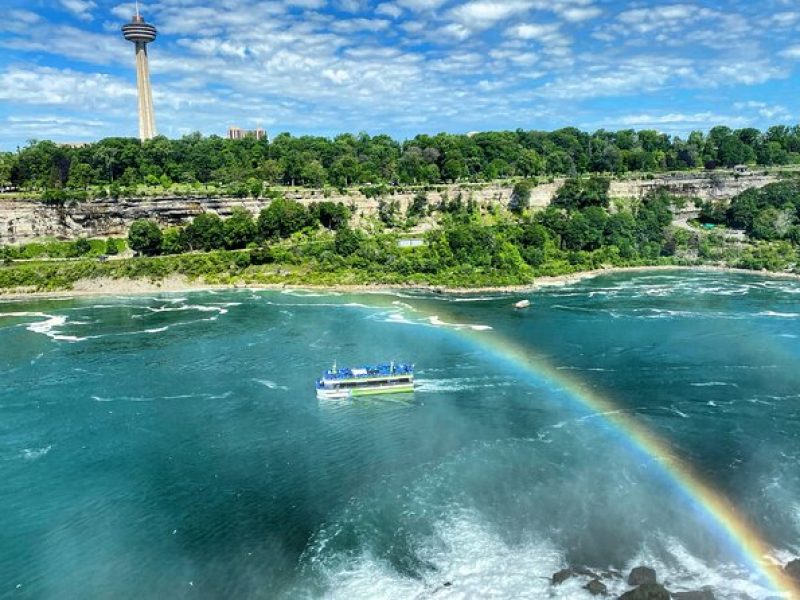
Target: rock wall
column 22, row 221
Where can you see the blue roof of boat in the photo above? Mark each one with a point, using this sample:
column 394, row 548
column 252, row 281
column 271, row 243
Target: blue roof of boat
column 369, row 371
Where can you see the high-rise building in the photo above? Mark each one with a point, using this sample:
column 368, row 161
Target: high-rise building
column 237, row 133
column 140, row 34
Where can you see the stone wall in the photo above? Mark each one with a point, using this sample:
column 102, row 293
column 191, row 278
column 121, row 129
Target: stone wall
column 22, row 221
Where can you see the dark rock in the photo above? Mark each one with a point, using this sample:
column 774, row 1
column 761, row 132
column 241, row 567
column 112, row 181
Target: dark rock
column 447, row 583
column 641, row 575
column 647, row 591
column 596, row 588
column 562, row 576
column 705, row 594
column 793, row 569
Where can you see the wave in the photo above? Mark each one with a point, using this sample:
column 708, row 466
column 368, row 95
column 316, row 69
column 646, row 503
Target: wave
column 458, row 384
column 713, row 384
column 34, row 453
column 301, row 293
column 270, row 384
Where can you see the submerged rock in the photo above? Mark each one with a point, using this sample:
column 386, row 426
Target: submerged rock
column 585, row 572
column 793, row 569
column 647, row 591
column 641, row 575
column 611, row 574
column 596, row 588
column 562, row 576
column 705, row 594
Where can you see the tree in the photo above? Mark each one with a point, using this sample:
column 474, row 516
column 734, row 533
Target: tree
column 347, row 241
column 418, row 206
column 282, row 218
column 112, row 249
column 206, row 232
column 520, row 197
column 239, row 229
column 333, row 215
column 578, row 193
column 80, row 176
column 144, row 237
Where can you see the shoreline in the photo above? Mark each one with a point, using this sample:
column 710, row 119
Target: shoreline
column 177, row 283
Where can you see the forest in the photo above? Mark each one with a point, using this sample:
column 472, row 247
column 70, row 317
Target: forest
column 354, row 160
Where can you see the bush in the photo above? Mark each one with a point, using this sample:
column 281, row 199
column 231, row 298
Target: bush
column 82, row 247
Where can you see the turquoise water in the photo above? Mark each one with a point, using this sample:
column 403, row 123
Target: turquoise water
column 173, row 446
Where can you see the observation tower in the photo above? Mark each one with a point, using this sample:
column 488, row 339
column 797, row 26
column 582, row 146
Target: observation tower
column 140, row 34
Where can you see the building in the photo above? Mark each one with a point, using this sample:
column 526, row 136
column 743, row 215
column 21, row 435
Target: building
column 140, row 34
column 237, row 133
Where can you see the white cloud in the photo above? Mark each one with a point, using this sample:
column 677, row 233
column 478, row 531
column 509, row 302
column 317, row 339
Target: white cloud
column 792, row 52
column 421, row 5
column 80, row 8
column 581, row 13
column 482, row 14
column 388, row 9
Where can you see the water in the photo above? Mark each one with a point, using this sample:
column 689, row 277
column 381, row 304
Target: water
column 173, row 446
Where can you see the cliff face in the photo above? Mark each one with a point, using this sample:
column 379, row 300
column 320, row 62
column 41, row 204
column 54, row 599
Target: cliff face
column 22, row 221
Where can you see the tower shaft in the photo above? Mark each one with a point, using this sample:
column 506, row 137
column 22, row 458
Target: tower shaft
column 147, row 119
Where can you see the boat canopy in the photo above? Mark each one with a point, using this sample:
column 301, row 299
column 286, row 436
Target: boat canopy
column 386, row 370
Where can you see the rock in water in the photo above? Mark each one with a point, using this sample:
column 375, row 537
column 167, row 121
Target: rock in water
column 647, row 591
column 793, row 569
column 641, row 575
column 705, row 594
column 562, row 576
column 596, row 588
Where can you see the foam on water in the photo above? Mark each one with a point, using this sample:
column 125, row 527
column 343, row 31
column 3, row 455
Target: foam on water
column 466, row 558
column 34, row 453
column 270, row 384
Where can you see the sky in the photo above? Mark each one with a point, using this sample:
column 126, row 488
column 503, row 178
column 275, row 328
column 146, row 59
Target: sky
column 400, row 67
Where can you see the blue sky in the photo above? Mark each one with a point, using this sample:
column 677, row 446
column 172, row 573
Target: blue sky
column 399, row 66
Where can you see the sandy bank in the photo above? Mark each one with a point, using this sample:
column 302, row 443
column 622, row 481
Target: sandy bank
column 179, row 283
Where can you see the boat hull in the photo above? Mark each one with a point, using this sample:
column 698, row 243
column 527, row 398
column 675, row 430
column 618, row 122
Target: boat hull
column 406, row 388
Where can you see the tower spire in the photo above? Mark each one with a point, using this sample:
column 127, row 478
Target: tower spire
column 141, row 34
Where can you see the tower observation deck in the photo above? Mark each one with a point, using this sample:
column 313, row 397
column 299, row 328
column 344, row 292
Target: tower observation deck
column 140, row 34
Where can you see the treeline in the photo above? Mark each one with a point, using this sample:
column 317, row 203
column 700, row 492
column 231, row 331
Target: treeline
column 349, row 160
column 281, row 219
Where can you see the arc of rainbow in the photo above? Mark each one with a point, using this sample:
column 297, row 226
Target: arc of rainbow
column 733, row 527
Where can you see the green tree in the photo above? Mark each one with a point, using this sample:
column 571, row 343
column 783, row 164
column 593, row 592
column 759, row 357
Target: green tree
column 282, row 218
column 144, row 237
column 578, row 193
column 239, row 229
column 206, row 232
column 347, row 241
column 520, row 197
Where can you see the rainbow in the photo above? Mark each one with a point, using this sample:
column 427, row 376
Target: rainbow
column 732, row 527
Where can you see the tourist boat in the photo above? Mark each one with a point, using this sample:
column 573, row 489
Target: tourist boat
column 339, row 384
column 522, row 304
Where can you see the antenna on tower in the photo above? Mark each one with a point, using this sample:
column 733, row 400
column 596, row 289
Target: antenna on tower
column 137, row 9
